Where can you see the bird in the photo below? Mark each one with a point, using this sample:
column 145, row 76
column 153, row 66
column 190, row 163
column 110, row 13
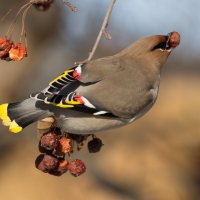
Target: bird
column 102, row 94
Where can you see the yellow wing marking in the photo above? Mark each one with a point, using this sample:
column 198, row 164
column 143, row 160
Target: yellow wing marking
column 61, row 76
column 73, row 102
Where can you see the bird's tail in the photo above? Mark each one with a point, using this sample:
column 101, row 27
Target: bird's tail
column 19, row 115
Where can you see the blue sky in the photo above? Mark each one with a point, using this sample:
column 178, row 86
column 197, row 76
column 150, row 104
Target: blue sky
column 140, row 18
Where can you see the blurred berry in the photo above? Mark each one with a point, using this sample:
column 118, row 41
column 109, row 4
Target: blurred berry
column 58, row 154
column 39, row 164
column 61, row 169
column 17, row 52
column 49, row 141
column 46, row 163
column 4, row 56
column 44, row 150
column 63, row 166
column 174, row 39
column 42, row 5
column 76, row 167
column 95, row 145
column 5, row 46
column 65, row 145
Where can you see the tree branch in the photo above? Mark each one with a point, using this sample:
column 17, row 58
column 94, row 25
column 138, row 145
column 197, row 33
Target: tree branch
column 102, row 31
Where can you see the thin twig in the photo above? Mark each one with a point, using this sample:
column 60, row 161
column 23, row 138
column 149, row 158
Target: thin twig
column 23, row 31
column 12, row 26
column 71, row 6
column 7, row 13
column 102, row 31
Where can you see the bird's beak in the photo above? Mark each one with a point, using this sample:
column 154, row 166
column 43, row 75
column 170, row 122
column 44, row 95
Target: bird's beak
column 172, row 40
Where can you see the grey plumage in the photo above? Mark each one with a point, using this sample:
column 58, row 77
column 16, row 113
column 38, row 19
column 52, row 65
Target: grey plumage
column 114, row 90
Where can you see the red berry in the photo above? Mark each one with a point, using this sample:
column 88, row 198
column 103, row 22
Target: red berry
column 61, row 169
column 46, row 163
column 63, row 166
column 65, row 145
column 42, row 5
column 174, row 39
column 39, row 164
column 49, row 141
column 44, row 150
column 5, row 46
column 76, row 167
column 18, row 52
column 4, row 55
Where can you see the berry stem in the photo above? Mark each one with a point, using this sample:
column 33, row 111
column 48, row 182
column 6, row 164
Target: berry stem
column 23, row 31
column 3, row 17
column 12, row 26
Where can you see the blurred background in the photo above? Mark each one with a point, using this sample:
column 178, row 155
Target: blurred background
column 157, row 157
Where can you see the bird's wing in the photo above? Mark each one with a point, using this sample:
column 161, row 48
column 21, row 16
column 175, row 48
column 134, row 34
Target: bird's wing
column 61, row 92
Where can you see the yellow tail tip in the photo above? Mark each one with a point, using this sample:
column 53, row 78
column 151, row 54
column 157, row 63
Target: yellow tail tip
column 4, row 114
column 6, row 121
column 14, row 127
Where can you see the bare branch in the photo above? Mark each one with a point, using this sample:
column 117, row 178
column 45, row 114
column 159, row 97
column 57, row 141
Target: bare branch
column 102, row 31
column 71, row 6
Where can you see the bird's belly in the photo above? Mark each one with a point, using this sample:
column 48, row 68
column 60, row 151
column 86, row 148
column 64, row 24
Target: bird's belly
column 88, row 125
column 154, row 93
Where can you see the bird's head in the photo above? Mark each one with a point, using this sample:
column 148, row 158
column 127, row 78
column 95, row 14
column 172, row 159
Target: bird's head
column 153, row 50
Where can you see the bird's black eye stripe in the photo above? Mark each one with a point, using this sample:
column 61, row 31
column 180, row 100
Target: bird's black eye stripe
column 162, row 45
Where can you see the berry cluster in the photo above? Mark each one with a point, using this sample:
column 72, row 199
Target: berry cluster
column 42, row 5
column 16, row 52
column 54, row 146
column 10, row 51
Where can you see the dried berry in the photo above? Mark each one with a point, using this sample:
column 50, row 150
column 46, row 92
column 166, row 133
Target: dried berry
column 18, row 52
column 50, row 162
column 95, row 145
column 49, row 141
column 46, row 163
column 174, row 39
column 39, row 164
column 65, row 145
column 4, row 55
column 63, row 166
column 44, row 150
column 42, row 5
column 58, row 154
column 5, row 46
column 76, row 167
column 61, row 169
